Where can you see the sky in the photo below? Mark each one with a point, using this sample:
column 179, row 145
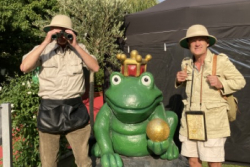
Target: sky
column 160, row 0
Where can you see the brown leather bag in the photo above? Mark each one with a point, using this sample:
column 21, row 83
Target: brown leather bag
column 231, row 100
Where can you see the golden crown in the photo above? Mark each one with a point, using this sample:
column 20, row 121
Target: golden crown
column 135, row 65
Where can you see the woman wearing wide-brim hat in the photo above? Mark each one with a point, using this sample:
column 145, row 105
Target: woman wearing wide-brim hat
column 205, row 142
column 61, row 86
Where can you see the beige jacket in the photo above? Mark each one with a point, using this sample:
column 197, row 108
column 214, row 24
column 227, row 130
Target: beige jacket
column 212, row 103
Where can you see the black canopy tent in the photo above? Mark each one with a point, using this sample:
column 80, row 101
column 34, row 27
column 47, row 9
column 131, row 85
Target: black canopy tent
column 168, row 21
column 157, row 31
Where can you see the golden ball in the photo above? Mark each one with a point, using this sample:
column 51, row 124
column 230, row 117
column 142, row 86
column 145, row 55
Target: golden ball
column 157, row 130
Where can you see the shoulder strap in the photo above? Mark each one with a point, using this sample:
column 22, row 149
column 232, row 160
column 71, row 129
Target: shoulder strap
column 214, row 72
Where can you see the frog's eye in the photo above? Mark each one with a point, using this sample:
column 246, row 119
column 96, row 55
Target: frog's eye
column 146, row 80
column 116, row 79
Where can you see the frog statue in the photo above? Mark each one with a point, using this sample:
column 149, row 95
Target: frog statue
column 132, row 101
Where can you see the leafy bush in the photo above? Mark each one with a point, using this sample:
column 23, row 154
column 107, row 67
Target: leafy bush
column 21, row 92
column 99, row 80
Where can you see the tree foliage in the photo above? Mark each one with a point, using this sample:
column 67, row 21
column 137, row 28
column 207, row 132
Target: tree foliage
column 18, row 34
column 139, row 5
column 99, row 24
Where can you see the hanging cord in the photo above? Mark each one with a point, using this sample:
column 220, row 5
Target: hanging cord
column 191, row 94
column 201, row 85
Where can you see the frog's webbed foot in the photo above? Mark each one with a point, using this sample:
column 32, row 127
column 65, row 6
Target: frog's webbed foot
column 96, row 151
column 111, row 160
column 108, row 159
column 171, row 153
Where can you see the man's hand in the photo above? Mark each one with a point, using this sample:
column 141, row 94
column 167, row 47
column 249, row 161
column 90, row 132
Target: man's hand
column 48, row 37
column 214, row 81
column 72, row 42
column 181, row 76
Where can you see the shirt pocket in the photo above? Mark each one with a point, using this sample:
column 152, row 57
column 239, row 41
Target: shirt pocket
column 216, row 116
column 50, row 68
column 75, row 67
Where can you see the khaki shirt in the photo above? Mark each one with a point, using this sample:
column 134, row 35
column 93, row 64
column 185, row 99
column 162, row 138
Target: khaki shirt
column 208, row 99
column 61, row 72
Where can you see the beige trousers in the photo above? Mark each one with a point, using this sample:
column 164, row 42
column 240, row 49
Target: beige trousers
column 78, row 140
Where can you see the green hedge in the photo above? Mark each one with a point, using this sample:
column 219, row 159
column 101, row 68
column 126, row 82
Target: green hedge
column 21, row 92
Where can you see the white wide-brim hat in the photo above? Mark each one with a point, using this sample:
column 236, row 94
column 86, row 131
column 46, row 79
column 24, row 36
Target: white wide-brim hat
column 197, row 31
column 60, row 21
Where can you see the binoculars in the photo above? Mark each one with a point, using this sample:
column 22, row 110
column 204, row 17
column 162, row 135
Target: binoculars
column 62, row 33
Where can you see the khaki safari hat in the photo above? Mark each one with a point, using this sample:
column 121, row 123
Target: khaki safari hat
column 60, row 21
column 197, row 31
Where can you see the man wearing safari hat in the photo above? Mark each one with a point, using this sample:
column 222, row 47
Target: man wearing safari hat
column 61, row 84
column 204, row 97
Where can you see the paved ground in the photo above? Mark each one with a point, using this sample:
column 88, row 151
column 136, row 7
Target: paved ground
column 147, row 161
